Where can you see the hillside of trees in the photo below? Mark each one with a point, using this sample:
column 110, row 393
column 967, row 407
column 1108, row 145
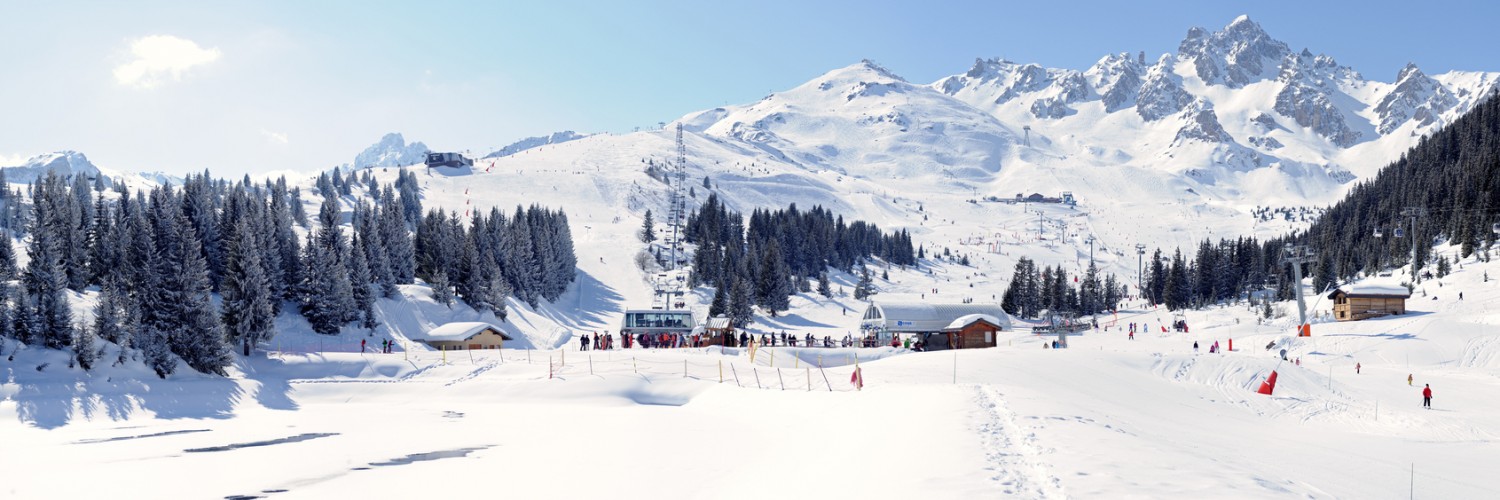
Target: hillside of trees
column 780, row 253
column 1452, row 177
column 159, row 257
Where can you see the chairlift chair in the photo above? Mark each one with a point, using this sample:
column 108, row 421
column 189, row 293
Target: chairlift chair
column 1400, row 233
column 1495, row 227
column 1379, row 234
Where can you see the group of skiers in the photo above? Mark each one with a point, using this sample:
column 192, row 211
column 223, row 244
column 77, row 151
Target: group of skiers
column 386, row 346
column 606, row 341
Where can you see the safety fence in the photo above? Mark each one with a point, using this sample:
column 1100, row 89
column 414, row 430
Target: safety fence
column 712, row 364
column 739, row 371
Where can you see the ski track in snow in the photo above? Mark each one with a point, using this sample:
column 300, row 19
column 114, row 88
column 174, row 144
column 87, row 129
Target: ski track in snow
column 1011, row 450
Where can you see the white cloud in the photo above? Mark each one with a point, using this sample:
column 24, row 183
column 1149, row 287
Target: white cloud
column 276, row 137
column 160, row 59
column 12, row 160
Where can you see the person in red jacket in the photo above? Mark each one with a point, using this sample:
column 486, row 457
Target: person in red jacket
column 1427, row 396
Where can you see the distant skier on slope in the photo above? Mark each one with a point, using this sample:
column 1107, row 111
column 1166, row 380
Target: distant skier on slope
column 1427, row 396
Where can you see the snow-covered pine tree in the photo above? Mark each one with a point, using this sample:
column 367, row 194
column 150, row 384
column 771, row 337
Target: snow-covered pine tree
column 720, row 304
column 7, row 256
column 330, row 237
column 442, row 291
column 741, row 299
column 648, row 229
column 397, row 239
column 199, row 338
column 108, row 322
column 775, row 285
column 411, row 196
column 565, row 261
column 299, row 212
column 866, row 286
column 359, row 283
column 85, row 348
column 246, row 290
column 45, row 277
column 498, row 290
column 823, row 287
column 104, row 253
column 327, row 296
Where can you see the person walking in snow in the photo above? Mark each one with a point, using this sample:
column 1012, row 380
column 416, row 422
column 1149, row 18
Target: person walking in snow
column 361, row 346
column 1356, row 368
column 1195, row 346
column 1132, row 334
column 1408, row 380
column 583, row 342
column 1427, row 396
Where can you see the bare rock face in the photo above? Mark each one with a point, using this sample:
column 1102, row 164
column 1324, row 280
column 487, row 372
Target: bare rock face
column 1202, row 124
column 1240, row 54
column 1266, row 143
column 1072, row 87
column 1161, row 94
column 1415, row 97
column 1307, row 96
column 1117, row 78
column 1051, row 107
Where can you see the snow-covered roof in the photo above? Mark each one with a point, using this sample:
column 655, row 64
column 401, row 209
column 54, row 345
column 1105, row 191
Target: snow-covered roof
column 458, row 331
column 1373, row 289
column 927, row 317
column 969, row 319
column 718, row 323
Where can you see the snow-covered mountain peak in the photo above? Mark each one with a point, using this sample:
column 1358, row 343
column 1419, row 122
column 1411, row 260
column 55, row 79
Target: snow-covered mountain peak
column 1240, row 54
column 391, row 151
column 62, row 163
column 1414, row 97
column 532, row 142
column 873, row 67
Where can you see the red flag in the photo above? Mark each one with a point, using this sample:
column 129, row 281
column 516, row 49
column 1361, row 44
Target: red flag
column 856, row 379
column 1164, row 329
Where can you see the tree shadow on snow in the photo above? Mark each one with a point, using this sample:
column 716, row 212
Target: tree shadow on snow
column 54, row 401
column 1387, row 336
column 587, row 304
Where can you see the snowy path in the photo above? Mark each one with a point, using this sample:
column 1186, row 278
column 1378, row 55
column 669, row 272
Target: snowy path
column 1011, row 449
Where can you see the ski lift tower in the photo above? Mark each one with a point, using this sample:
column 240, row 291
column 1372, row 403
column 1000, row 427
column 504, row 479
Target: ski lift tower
column 1140, row 261
column 1296, row 255
column 1414, row 213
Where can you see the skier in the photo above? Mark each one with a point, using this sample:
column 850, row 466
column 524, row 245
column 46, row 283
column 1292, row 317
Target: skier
column 1195, row 346
column 1427, row 396
column 1283, row 354
column 1132, row 335
column 361, row 345
column 583, row 342
column 1356, row 368
column 1408, row 380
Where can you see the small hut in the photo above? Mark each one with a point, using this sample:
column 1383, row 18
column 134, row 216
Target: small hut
column 464, row 335
column 719, row 331
column 972, row 331
column 1368, row 300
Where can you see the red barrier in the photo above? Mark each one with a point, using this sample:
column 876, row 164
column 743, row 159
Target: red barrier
column 1269, row 385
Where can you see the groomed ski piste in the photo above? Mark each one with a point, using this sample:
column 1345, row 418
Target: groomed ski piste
column 1107, row 417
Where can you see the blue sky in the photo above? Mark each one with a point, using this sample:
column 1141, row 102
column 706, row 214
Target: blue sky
column 241, row 87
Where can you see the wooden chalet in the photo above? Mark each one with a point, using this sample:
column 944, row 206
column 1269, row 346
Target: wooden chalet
column 1365, row 301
